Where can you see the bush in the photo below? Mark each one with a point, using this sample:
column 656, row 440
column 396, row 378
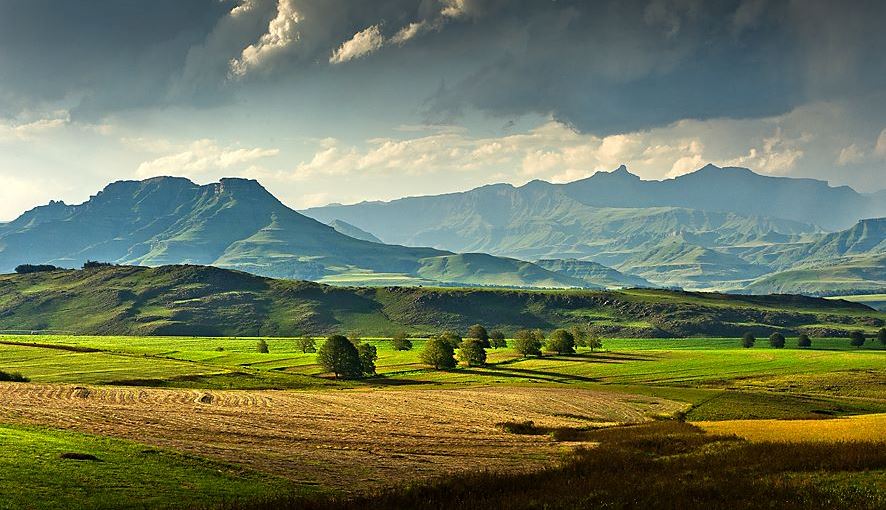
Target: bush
column 438, row 353
column 306, row 344
column 478, row 332
column 804, row 341
column 856, row 339
column 776, row 340
column 92, row 264
column 526, row 343
column 472, row 353
column 339, row 356
column 368, row 356
column 748, row 340
column 497, row 339
column 451, row 337
column 29, row 268
column 262, row 346
column 401, row 342
column 561, row 342
column 881, row 336
column 12, row 377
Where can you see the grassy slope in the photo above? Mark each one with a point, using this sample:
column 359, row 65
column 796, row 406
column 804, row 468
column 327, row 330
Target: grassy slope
column 127, row 474
column 195, row 300
column 846, row 275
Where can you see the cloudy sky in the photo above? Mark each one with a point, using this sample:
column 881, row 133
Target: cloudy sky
column 348, row 100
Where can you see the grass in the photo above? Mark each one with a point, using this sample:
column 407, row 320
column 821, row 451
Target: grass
column 123, row 474
column 869, row 428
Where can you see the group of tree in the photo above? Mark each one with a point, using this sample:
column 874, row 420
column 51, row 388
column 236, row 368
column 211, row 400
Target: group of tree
column 35, row 268
column 778, row 340
column 94, row 264
column 347, row 358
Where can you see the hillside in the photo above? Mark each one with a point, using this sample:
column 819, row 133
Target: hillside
column 235, row 224
column 347, row 229
column 846, row 275
column 199, row 300
column 593, row 274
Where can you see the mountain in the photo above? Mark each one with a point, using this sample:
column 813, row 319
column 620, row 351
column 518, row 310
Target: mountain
column 209, row 301
column 594, row 274
column 234, row 223
column 843, row 276
column 349, row 230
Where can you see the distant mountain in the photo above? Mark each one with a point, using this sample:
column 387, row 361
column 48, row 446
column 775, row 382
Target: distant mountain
column 843, row 276
column 349, row 230
column 594, row 274
column 236, row 224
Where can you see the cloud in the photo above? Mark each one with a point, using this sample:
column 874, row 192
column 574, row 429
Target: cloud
column 363, row 43
column 880, row 146
column 282, row 32
column 203, row 157
column 26, row 130
column 850, row 154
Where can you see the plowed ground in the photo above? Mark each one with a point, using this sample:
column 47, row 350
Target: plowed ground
column 347, row 439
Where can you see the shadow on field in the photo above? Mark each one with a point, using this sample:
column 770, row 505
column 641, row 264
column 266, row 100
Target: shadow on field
column 526, row 373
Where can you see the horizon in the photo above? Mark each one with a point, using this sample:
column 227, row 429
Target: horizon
column 336, row 102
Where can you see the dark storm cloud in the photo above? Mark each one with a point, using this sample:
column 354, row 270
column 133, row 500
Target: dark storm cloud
column 606, row 66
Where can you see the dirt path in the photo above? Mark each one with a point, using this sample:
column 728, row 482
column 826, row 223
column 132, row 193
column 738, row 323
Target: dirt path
column 347, row 439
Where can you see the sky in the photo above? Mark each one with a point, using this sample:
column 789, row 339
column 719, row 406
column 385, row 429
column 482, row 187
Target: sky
column 339, row 101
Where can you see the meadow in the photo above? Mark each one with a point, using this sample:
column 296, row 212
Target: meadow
column 294, row 432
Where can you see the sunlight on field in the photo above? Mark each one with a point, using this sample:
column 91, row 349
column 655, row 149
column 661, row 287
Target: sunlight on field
column 870, row 427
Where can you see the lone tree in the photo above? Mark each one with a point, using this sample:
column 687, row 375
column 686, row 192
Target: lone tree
column 526, row 343
column 478, row 332
column 306, row 344
column 339, row 356
column 856, row 339
column 881, row 336
column 453, row 338
column 776, row 340
column 803, row 340
column 368, row 355
column 472, row 353
column 497, row 339
column 561, row 342
column 401, row 342
column 438, row 353
column 262, row 346
column 748, row 340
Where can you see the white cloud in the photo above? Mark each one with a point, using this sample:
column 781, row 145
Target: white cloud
column 408, row 32
column 880, row 146
column 851, row 154
column 282, row 33
column 363, row 43
column 31, row 128
column 203, row 157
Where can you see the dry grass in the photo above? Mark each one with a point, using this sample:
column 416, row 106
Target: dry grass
column 349, row 439
column 870, row 427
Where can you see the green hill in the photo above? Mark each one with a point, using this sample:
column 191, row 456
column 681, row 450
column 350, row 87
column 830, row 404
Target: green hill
column 846, row 275
column 235, row 224
column 593, row 274
column 209, row 301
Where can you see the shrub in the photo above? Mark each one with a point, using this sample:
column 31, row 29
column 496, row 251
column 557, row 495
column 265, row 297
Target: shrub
column 497, row 339
column 30, row 268
column 339, row 356
column 12, row 377
column 472, row 353
column 368, row 356
column 478, row 332
column 881, row 336
column 561, row 342
column 453, row 338
column 804, row 341
column 438, row 353
column 262, row 346
column 401, row 342
column 526, row 343
column 748, row 340
column 856, row 339
column 306, row 344
column 776, row 340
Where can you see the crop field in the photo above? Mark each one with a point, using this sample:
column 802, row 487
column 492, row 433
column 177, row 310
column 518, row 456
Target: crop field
column 869, row 427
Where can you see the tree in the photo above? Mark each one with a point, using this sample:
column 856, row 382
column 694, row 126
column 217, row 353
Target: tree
column 804, row 341
column 580, row 335
column 748, row 340
column 561, row 342
column 776, row 340
column 438, row 353
column 881, row 336
column 472, row 353
column 262, row 346
column 497, row 339
column 368, row 356
column 478, row 332
column 30, row 268
column 856, row 338
column 306, row 344
column 401, row 342
column 92, row 264
column 453, row 338
column 339, row 356
column 526, row 343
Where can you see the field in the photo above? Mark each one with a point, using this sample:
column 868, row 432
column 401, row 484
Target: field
column 294, row 432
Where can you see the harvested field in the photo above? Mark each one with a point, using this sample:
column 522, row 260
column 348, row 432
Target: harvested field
column 348, row 439
column 869, row 427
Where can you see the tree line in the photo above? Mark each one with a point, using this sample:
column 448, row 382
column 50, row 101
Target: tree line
column 778, row 341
